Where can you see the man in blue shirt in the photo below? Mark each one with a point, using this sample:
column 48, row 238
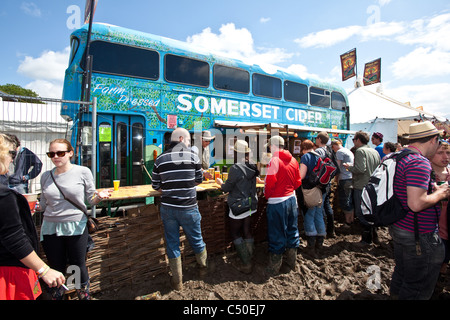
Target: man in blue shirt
column 377, row 140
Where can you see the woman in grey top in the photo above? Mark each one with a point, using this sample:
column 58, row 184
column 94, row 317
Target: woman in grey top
column 64, row 234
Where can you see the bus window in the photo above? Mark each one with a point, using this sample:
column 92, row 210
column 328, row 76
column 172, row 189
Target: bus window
column 319, row 97
column 338, row 101
column 118, row 59
column 137, row 153
column 231, row 79
column 74, row 45
column 86, row 144
column 295, row 92
column 266, row 86
column 187, row 71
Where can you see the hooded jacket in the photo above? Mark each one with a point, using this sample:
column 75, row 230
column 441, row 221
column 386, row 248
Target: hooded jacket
column 18, row 237
column 283, row 175
column 241, row 183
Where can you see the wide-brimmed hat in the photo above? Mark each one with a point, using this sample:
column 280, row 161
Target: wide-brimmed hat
column 241, row 146
column 422, row 130
column 206, row 135
column 276, row 141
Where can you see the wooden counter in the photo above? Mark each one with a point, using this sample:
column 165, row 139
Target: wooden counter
column 144, row 191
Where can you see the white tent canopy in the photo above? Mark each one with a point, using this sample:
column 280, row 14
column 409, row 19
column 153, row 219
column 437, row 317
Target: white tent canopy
column 373, row 111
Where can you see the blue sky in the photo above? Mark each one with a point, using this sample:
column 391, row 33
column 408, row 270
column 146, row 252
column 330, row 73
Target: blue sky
column 411, row 37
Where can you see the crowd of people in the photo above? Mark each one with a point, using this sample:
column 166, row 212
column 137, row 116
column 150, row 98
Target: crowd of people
column 421, row 185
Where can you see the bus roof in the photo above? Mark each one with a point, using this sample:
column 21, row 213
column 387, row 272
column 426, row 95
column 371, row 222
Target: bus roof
column 112, row 33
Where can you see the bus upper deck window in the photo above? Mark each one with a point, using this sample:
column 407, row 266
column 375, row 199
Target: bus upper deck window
column 186, row 70
column 319, row 97
column 266, row 86
column 231, row 79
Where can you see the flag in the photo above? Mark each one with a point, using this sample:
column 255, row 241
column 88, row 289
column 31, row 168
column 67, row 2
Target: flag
column 87, row 10
column 372, row 72
column 348, row 63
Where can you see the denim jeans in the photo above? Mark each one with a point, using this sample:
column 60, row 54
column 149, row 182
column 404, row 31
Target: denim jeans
column 415, row 276
column 345, row 193
column 282, row 226
column 313, row 221
column 189, row 220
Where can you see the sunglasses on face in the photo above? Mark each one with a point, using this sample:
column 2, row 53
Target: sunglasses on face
column 13, row 153
column 60, row 154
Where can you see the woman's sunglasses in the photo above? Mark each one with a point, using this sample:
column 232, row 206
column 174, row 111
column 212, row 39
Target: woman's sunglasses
column 57, row 153
column 13, row 153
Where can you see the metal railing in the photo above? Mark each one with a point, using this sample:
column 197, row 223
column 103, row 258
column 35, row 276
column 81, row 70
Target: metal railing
column 36, row 122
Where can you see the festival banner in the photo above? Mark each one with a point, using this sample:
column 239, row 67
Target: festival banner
column 87, row 10
column 372, row 72
column 348, row 63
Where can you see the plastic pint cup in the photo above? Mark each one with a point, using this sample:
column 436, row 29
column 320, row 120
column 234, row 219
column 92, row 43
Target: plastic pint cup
column 116, row 184
column 225, row 176
column 32, row 199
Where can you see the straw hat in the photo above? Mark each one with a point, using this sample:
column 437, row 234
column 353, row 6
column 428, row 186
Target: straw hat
column 276, row 141
column 241, row 146
column 207, row 136
column 422, row 130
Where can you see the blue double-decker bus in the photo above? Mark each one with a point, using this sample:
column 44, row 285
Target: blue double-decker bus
column 146, row 85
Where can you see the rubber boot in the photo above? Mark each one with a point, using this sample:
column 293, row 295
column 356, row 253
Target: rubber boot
column 250, row 243
column 275, row 261
column 202, row 258
column 311, row 245
column 291, row 258
column 177, row 273
column 319, row 243
column 330, row 226
column 245, row 263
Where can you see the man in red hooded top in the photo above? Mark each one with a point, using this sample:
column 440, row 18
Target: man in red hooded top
column 283, row 178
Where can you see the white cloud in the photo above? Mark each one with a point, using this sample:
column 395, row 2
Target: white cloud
column 47, row 72
column 264, row 20
column 434, row 98
column 329, row 37
column 422, row 63
column 239, row 44
column 31, row 9
column 384, row 2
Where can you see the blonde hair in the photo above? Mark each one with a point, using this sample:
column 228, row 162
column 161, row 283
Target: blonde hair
column 5, row 146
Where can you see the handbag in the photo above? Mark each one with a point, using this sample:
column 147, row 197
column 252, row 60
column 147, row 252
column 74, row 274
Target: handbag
column 312, row 197
column 92, row 223
column 240, row 206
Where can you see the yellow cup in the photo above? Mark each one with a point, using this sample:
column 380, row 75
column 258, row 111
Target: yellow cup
column 225, row 176
column 116, row 185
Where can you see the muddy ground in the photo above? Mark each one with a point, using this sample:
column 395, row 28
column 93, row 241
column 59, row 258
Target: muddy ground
column 344, row 270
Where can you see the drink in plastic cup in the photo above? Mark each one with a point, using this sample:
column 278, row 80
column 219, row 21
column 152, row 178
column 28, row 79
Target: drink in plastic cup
column 225, row 176
column 32, row 199
column 116, row 184
column 211, row 171
column 217, row 174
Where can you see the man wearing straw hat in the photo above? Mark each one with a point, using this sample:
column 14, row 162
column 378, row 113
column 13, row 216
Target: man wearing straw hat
column 206, row 141
column 282, row 179
column 418, row 250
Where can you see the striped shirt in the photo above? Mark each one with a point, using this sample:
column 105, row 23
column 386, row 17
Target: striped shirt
column 177, row 171
column 415, row 171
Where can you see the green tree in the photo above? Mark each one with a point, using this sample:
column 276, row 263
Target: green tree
column 16, row 90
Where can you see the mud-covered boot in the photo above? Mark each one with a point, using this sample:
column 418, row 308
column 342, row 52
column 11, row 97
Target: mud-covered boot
column 311, row 245
column 291, row 258
column 244, row 264
column 202, row 260
column 177, row 273
column 250, row 243
column 275, row 261
column 319, row 244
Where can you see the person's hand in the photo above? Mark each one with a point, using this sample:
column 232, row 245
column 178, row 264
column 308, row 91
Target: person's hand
column 219, row 181
column 104, row 194
column 53, row 278
column 208, row 175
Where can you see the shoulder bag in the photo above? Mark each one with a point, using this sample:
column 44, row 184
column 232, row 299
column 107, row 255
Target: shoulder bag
column 92, row 223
